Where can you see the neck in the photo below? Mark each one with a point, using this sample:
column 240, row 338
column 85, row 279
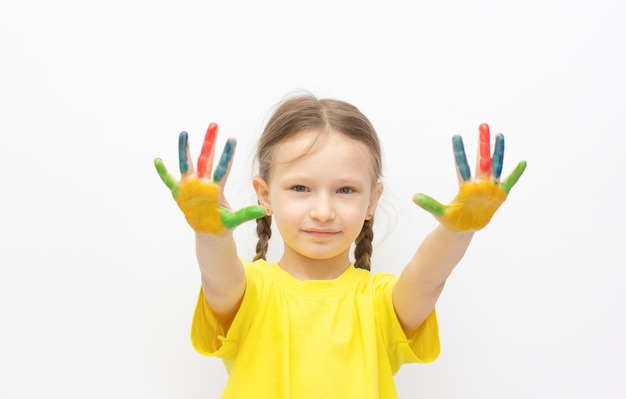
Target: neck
column 303, row 268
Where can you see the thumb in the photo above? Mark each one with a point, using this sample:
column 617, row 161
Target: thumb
column 429, row 204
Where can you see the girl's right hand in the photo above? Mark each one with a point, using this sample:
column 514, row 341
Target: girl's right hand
column 200, row 198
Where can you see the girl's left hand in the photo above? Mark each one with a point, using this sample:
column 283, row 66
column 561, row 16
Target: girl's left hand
column 478, row 198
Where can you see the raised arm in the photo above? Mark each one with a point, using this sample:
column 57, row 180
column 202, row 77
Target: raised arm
column 424, row 277
column 206, row 210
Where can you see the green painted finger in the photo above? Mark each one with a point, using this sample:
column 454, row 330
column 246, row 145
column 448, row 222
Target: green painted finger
column 166, row 177
column 429, row 204
column 231, row 219
column 510, row 181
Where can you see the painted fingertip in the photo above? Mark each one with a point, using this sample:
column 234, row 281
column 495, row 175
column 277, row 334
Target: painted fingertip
column 166, row 177
column 212, row 129
column 207, row 149
column 183, row 142
column 160, row 167
column 227, row 156
column 498, row 156
column 461, row 158
column 484, row 131
column 484, row 150
column 231, row 220
column 512, row 179
column 158, row 164
column 429, row 204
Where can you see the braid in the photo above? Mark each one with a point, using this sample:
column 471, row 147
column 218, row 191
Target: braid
column 363, row 249
column 264, row 232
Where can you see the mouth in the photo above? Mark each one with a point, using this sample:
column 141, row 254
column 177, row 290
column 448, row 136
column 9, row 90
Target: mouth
column 321, row 233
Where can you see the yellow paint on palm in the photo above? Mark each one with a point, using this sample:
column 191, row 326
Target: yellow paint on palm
column 474, row 205
column 199, row 202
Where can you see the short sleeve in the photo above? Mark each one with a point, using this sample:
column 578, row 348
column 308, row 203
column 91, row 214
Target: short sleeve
column 206, row 332
column 422, row 347
column 207, row 335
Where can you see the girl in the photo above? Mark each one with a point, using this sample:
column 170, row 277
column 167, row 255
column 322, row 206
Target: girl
column 315, row 324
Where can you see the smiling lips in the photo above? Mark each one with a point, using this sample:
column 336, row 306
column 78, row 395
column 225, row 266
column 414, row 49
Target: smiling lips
column 321, row 233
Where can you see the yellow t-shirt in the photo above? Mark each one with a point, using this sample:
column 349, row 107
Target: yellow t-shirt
column 313, row 339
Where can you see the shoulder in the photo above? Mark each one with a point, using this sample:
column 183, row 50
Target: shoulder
column 380, row 284
column 382, row 280
column 382, row 277
column 257, row 267
column 259, row 273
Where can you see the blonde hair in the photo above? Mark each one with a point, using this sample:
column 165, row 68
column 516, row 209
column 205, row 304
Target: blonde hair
column 306, row 112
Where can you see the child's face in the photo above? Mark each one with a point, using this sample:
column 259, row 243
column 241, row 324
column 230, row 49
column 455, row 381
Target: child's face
column 321, row 199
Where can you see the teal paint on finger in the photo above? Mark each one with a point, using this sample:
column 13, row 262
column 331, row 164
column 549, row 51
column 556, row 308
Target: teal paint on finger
column 498, row 156
column 227, row 156
column 183, row 142
column 461, row 158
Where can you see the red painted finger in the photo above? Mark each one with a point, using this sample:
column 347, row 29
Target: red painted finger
column 485, row 149
column 208, row 148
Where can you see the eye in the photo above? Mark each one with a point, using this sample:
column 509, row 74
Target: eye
column 345, row 190
column 299, row 188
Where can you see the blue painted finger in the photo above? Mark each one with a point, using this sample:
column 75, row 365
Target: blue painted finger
column 183, row 142
column 227, row 156
column 461, row 158
column 498, row 156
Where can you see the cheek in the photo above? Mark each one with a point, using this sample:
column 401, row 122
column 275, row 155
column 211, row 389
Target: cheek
column 286, row 210
column 353, row 213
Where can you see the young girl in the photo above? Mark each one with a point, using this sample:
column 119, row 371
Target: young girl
column 316, row 324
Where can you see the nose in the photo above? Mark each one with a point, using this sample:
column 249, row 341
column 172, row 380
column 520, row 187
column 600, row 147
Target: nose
column 322, row 209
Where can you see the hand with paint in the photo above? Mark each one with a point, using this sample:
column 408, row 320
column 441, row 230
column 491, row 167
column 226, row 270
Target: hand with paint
column 479, row 198
column 200, row 198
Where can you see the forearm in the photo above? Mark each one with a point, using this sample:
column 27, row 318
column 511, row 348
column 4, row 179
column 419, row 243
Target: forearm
column 223, row 276
column 436, row 257
column 424, row 277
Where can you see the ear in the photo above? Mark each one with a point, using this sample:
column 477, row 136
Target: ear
column 377, row 192
column 262, row 191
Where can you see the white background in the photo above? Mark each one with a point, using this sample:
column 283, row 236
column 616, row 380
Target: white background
column 98, row 278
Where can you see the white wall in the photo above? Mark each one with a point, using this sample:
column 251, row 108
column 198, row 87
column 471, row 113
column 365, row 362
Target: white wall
column 97, row 270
